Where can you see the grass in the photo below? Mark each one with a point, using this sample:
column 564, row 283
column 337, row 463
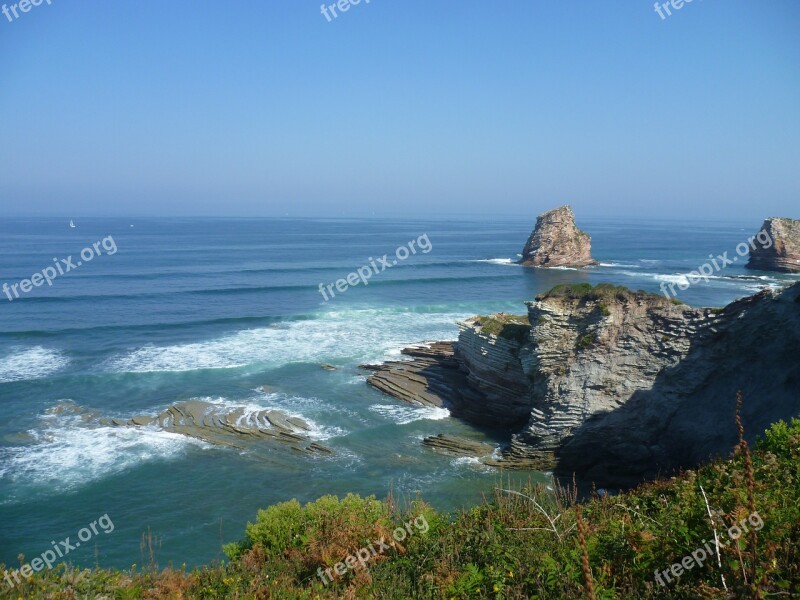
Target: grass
column 521, row 543
column 585, row 291
column 510, row 327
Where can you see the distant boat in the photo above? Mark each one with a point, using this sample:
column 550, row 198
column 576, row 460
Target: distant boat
column 71, row 223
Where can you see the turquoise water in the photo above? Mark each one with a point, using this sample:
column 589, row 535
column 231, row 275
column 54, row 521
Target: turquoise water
column 216, row 308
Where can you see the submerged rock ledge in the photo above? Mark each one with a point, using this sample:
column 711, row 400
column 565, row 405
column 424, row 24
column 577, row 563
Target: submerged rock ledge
column 614, row 385
column 235, row 427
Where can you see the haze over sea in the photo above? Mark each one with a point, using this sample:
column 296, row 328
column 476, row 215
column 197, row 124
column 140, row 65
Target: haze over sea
column 216, row 308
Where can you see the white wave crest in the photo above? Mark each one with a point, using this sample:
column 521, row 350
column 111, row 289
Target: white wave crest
column 403, row 415
column 498, row 261
column 67, row 454
column 362, row 336
column 24, row 364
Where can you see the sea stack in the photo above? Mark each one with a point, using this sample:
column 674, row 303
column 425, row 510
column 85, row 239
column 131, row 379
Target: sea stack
column 557, row 242
column 776, row 246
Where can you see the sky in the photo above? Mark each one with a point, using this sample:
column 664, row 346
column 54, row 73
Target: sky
column 400, row 108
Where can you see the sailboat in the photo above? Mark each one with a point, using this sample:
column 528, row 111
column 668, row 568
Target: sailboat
column 72, row 224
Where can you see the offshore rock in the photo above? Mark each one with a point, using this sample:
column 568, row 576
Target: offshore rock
column 557, row 242
column 781, row 252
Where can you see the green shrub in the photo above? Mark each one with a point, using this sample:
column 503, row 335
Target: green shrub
column 587, row 341
column 781, row 437
column 278, row 527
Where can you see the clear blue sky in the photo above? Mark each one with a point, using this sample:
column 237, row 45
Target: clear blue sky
column 191, row 107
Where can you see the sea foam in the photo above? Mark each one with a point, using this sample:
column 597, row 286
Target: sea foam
column 402, row 415
column 36, row 362
column 498, row 261
column 66, row 453
column 335, row 337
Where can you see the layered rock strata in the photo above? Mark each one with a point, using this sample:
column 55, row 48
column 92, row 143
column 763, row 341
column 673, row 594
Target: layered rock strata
column 488, row 350
column 557, row 242
column 458, row 446
column 432, row 377
column 776, row 247
column 617, row 386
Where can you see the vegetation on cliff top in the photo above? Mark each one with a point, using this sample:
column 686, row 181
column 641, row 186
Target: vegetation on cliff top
column 526, row 543
column 511, row 327
column 601, row 291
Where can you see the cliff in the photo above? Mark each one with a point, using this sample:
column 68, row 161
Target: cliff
column 557, row 242
column 488, row 348
column 626, row 385
column 777, row 246
column 619, row 386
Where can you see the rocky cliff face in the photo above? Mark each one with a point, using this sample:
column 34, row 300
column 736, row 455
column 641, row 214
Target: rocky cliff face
column 618, row 386
column 626, row 385
column 488, row 348
column 557, row 242
column 781, row 252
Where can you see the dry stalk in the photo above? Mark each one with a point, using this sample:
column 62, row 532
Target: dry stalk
column 587, row 572
column 751, row 491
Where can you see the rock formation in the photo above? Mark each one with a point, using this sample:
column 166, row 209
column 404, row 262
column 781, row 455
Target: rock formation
column 235, row 427
column 557, row 242
column 457, row 446
column 776, row 247
column 431, row 378
column 435, row 376
column 617, row 386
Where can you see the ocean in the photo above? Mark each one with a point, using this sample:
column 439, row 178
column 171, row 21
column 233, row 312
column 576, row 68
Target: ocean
column 214, row 309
